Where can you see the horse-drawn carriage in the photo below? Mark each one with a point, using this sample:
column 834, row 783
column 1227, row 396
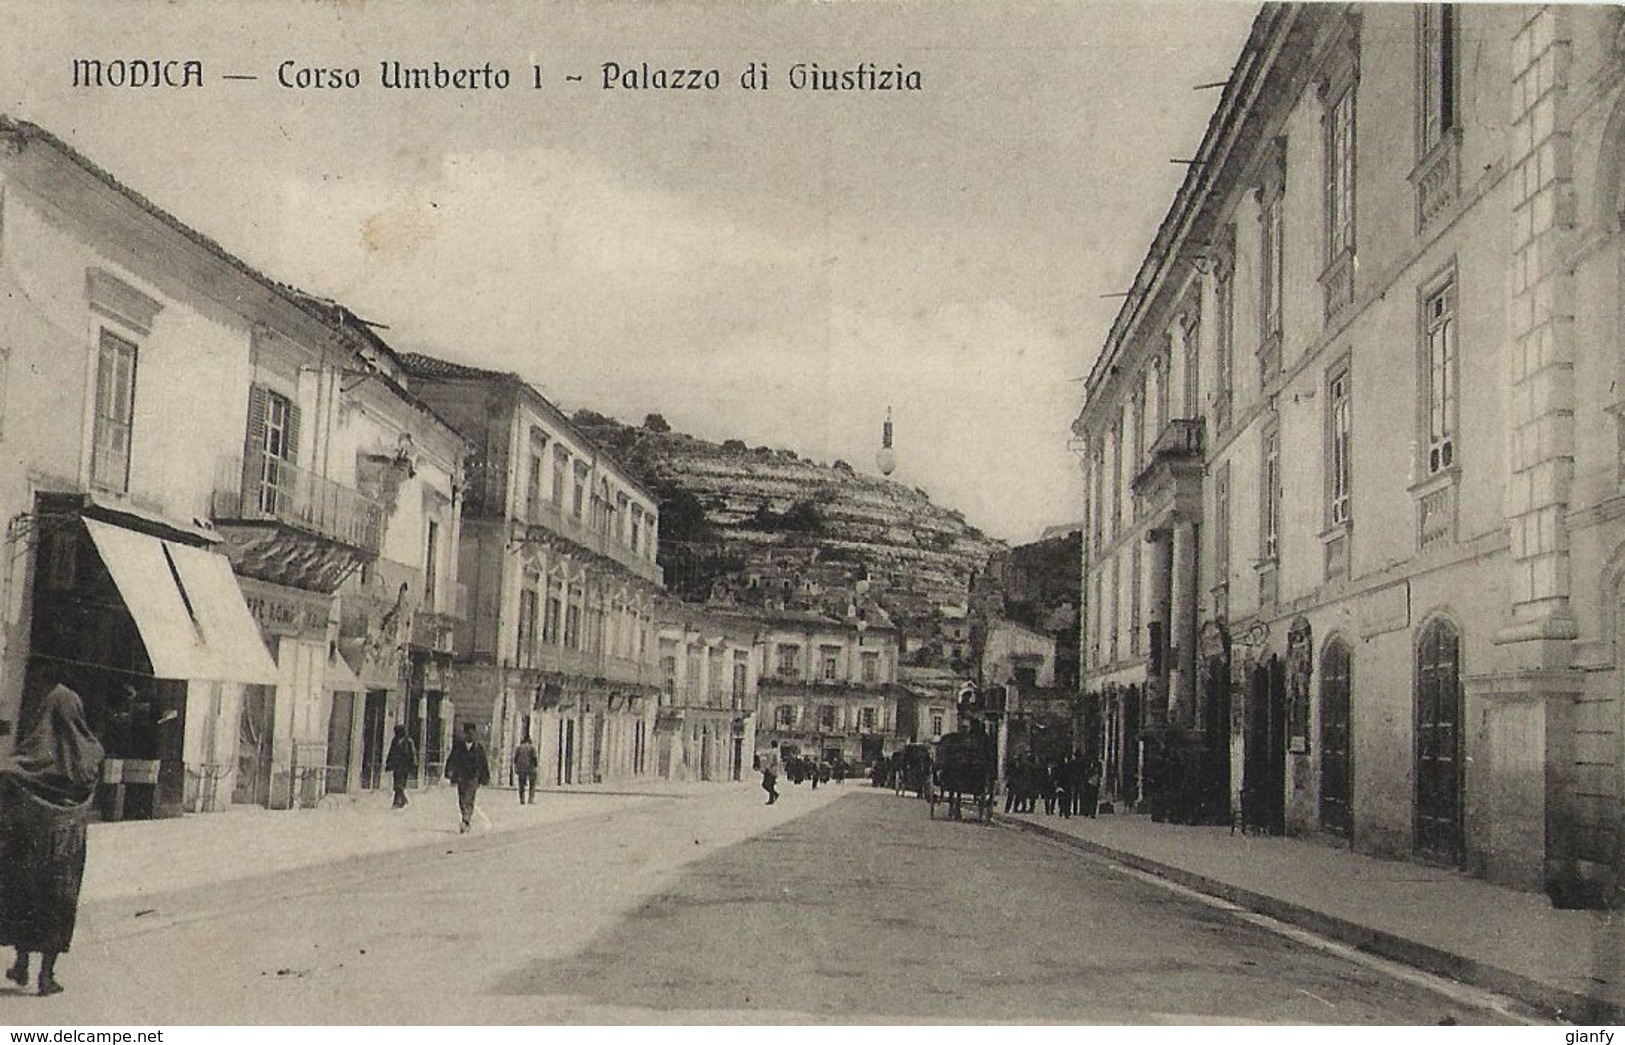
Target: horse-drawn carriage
column 967, row 768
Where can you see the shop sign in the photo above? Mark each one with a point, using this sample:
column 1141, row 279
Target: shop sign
column 286, row 611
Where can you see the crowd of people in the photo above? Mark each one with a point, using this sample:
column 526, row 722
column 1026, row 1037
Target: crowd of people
column 1068, row 787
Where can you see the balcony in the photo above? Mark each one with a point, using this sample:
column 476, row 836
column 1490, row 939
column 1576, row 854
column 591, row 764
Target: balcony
column 590, row 664
column 1171, row 481
column 290, row 526
column 436, row 631
column 547, row 517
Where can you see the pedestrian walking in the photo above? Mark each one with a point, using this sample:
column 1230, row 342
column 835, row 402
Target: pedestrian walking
column 468, row 768
column 770, row 774
column 1091, row 789
column 402, row 762
column 524, row 767
column 46, row 788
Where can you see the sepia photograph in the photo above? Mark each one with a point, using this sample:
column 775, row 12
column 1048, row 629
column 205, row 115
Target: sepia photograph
column 786, row 514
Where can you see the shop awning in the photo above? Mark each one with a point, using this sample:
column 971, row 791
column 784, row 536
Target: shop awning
column 229, row 630
column 340, row 677
column 187, row 607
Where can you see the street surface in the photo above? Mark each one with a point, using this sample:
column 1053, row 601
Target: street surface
column 844, row 905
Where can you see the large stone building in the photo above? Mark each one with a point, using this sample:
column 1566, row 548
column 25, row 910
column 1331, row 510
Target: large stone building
column 1354, row 542
column 132, row 349
column 827, row 687
column 706, row 725
column 558, row 551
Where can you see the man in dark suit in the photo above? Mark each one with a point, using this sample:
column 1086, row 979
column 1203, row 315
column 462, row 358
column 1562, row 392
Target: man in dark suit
column 402, row 762
column 467, row 767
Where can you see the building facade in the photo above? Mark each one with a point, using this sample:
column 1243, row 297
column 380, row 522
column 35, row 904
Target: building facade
column 827, row 687
column 558, row 550
column 1351, row 551
column 189, row 599
column 705, row 728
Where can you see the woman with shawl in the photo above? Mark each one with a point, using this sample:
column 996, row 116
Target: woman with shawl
column 46, row 787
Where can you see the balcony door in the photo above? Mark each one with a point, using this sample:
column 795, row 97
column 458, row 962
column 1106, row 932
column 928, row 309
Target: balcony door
column 273, row 441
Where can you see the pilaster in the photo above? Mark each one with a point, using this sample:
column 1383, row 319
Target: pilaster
column 1540, row 416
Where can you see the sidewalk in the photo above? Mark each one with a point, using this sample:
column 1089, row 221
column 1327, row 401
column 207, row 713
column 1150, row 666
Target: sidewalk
column 1569, row 964
column 139, row 857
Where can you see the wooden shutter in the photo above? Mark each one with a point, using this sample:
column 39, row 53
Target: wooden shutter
column 292, row 455
column 254, row 443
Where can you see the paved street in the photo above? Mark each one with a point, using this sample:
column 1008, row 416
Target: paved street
column 842, row 905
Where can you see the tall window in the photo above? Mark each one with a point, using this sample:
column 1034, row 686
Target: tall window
column 829, row 659
column 550, row 621
column 936, row 722
column 533, row 486
column 871, row 667
column 561, row 470
column 1436, row 73
column 527, row 627
column 784, row 716
column 1440, row 317
column 431, row 566
column 1191, row 362
column 572, row 627
column 1270, row 507
column 1339, row 442
column 741, row 679
column 277, row 435
column 578, row 503
column 1117, row 476
column 1160, row 371
column 714, row 691
column 694, row 690
column 668, row 668
column 826, row 717
column 1134, row 599
column 1224, row 307
column 637, row 524
column 787, row 659
column 868, row 719
column 1271, row 279
column 1112, row 609
column 115, row 413
column 1340, row 176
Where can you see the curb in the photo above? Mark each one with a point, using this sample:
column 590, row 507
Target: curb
column 1556, row 1002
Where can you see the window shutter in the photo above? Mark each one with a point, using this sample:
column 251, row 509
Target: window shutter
column 254, row 443
column 293, row 433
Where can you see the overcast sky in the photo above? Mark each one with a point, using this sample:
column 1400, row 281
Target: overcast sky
column 774, row 266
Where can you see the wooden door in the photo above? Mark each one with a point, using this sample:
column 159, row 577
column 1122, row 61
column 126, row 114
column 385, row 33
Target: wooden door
column 1336, row 742
column 1438, row 745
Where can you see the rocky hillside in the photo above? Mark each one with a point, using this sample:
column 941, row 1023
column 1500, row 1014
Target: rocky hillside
column 764, row 527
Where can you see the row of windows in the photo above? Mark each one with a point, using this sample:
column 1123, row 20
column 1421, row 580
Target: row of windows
column 706, row 687
column 787, row 663
column 605, row 510
column 1438, row 373
column 618, row 632
column 828, row 718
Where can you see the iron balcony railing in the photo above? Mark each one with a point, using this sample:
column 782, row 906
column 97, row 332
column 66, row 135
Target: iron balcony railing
column 268, row 489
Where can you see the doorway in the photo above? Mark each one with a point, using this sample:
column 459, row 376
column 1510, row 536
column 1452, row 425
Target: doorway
column 1336, row 741
column 1438, row 745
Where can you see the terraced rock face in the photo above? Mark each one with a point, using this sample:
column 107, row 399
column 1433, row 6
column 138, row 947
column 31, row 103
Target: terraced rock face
column 765, row 527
